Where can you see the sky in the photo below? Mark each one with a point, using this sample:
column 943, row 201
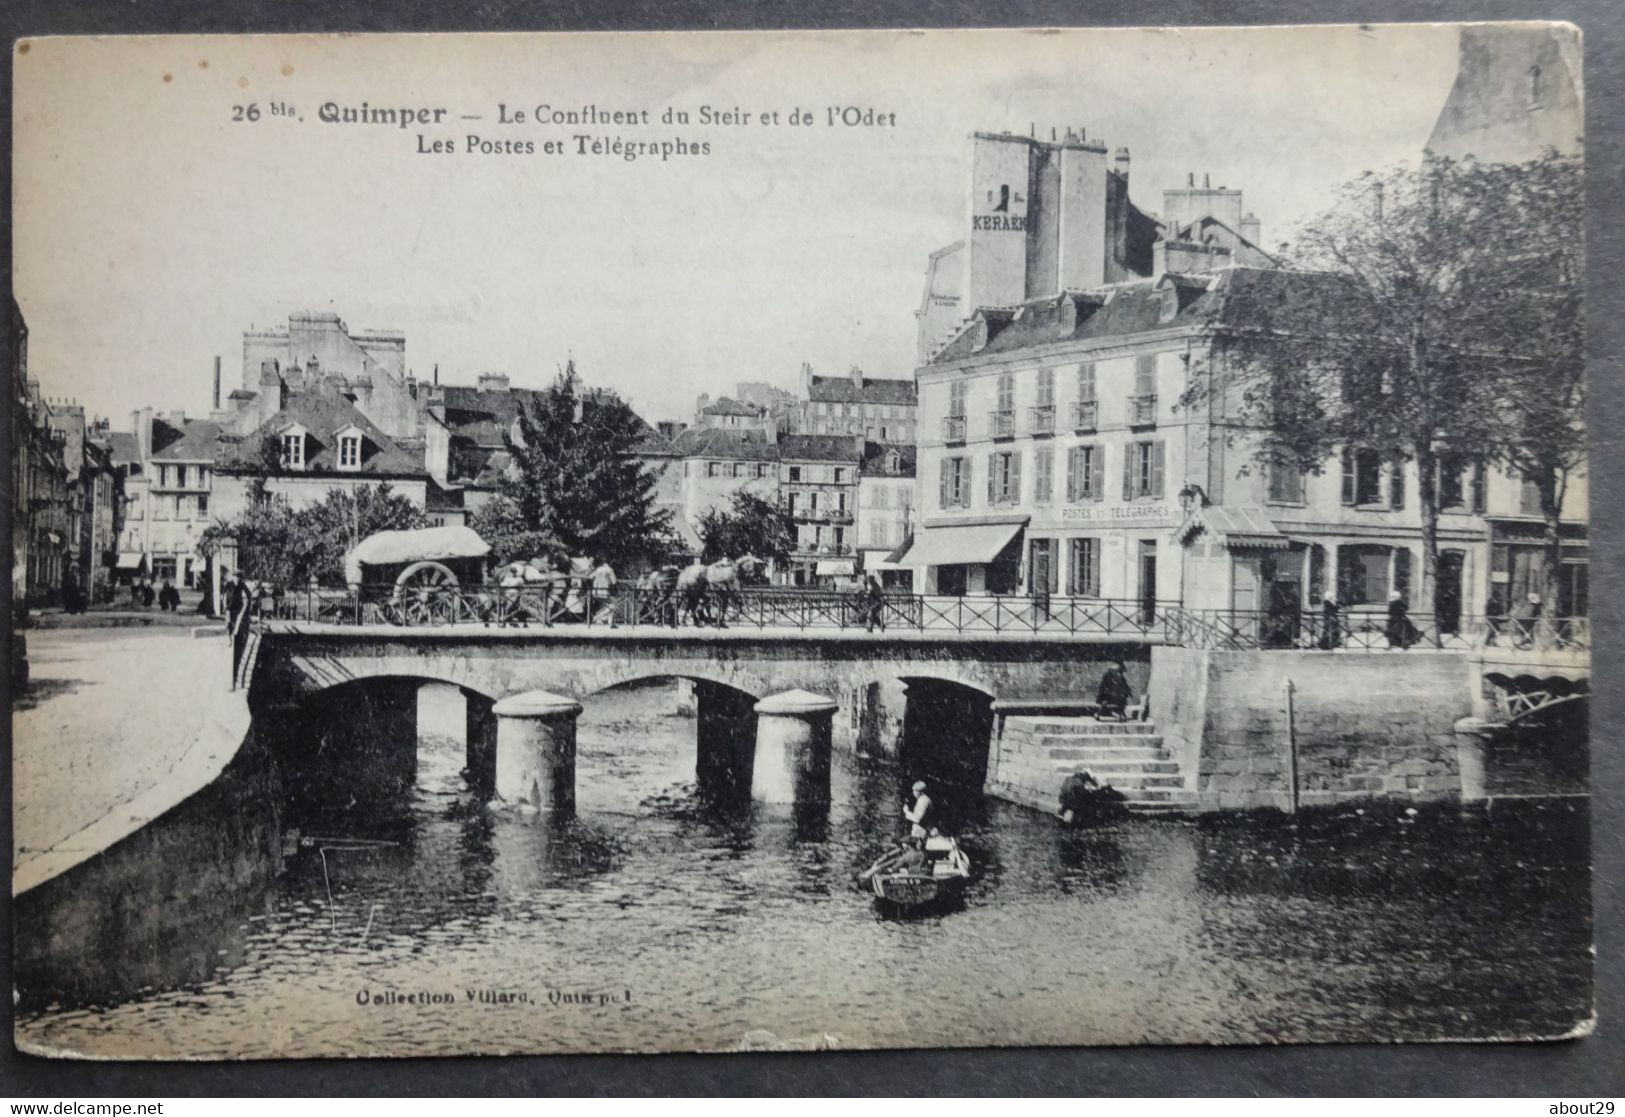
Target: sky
column 151, row 228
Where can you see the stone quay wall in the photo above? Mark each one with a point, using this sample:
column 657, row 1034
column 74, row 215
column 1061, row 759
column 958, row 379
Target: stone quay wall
column 1360, row 726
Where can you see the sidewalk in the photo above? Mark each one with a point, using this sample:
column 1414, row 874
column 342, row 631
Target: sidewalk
column 117, row 727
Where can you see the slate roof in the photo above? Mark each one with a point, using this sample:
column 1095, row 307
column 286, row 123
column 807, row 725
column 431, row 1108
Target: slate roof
column 124, row 448
column 818, row 448
column 719, row 442
column 1233, row 296
column 485, row 417
column 194, row 443
column 874, row 459
column 840, row 389
column 323, row 412
column 726, row 406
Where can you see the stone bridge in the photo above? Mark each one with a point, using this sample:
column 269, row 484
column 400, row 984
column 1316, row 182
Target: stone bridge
column 769, row 701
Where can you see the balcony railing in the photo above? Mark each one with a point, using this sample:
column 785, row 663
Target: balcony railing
column 1085, row 415
column 1041, row 420
column 1142, row 411
column 1001, row 424
column 953, row 428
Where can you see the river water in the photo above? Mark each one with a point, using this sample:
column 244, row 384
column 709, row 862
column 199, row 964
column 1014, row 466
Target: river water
column 657, row 922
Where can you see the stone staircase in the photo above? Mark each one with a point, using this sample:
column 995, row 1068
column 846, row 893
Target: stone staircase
column 1036, row 753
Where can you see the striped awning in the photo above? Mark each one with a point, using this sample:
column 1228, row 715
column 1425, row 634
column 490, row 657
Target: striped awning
column 1239, row 528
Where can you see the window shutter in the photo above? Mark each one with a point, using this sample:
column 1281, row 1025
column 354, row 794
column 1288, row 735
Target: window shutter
column 1015, row 477
column 1086, row 382
column 1396, row 484
column 1317, row 573
column 1478, row 487
column 1072, row 567
column 943, row 493
column 992, row 478
column 1158, row 460
column 1402, row 572
column 1128, row 470
column 1097, row 473
column 1054, row 567
column 1094, row 569
column 1072, row 456
column 1348, row 475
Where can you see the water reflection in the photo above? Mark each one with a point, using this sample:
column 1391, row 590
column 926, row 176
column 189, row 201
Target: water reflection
column 717, row 919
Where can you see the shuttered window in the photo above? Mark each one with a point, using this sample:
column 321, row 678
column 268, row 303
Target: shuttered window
column 954, row 489
column 1086, row 382
column 1043, row 474
column 1083, row 568
column 1143, row 468
column 1085, row 473
column 1004, row 477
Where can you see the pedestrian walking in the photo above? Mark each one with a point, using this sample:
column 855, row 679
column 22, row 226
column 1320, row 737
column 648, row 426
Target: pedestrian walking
column 169, row 598
column 1331, row 623
column 1400, row 631
column 875, row 605
column 237, row 606
column 603, row 587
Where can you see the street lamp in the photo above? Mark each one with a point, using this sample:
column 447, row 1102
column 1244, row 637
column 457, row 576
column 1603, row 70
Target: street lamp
column 1192, row 496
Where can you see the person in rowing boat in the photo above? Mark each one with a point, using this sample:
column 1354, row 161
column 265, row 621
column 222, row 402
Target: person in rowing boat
column 921, row 812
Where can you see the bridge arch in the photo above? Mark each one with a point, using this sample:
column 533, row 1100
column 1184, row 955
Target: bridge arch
column 946, row 739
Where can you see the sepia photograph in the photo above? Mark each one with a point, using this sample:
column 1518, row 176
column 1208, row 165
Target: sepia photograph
column 799, row 541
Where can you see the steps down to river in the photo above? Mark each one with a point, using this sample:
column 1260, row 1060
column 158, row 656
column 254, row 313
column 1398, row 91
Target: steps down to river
column 1035, row 754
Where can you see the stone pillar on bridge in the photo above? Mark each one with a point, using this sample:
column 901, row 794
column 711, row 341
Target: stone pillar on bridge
column 724, row 740
column 793, row 732
column 480, row 740
column 1472, row 736
column 536, row 752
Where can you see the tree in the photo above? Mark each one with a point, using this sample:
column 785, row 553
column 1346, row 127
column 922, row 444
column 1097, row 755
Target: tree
column 576, row 484
column 751, row 525
column 1539, row 431
column 287, row 547
column 1395, row 334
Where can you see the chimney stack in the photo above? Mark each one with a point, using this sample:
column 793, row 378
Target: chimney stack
column 216, row 382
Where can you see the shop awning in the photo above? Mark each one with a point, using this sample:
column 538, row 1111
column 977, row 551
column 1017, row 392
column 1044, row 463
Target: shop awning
column 835, row 566
column 131, row 560
column 1237, row 528
column 951, row 545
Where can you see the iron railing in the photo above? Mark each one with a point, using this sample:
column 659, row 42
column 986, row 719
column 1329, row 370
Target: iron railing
column 953, row 428
column 1085, row 415
column 1001, row 424
column 1142, row 411
column 1043, row 614
column 1041, row 420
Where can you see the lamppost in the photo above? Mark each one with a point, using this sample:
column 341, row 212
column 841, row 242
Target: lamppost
column 1192, row 497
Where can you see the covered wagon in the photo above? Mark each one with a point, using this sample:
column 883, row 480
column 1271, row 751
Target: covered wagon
column 423, row 576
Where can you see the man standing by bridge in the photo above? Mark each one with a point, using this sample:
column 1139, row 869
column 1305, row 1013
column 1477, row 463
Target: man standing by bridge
column 236, row 621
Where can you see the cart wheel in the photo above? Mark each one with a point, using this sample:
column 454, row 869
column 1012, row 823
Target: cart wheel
column 423, row 591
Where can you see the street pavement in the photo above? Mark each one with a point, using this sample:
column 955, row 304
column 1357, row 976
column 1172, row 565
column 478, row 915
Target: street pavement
column 118, row 726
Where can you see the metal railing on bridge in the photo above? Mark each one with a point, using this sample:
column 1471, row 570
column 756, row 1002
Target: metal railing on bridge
column 792, row 608
column 755, row 607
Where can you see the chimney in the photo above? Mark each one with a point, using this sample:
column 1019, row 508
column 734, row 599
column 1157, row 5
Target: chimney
column 493, row 382
column 1121, row 159
column 1190, row 179
column 806, row 376
column 857, row 378
column 1207, row 182
column 1252, row 229
column 437, row 372
column 216, row 382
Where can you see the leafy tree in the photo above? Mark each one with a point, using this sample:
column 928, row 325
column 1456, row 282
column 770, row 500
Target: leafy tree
column 576, row 484
column 1399, row 331
column 288, row 547
column 751, row 525
column 1539, row 423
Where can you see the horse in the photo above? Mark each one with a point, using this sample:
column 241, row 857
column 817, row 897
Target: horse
column 723, row 580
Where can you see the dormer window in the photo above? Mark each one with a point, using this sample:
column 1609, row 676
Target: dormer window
column 293, row 448
column 349, row 448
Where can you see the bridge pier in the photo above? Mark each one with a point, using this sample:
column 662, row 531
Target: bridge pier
column 536, row 752
column 724, row 738
column 480, row 738
column 793, row 732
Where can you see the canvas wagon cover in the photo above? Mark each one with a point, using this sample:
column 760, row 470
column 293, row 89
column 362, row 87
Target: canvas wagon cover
column 429, row 544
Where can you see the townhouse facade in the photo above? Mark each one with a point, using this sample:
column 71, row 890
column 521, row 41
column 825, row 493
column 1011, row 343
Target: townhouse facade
column 818, row 490
column 1058, row 457
column 886, row 487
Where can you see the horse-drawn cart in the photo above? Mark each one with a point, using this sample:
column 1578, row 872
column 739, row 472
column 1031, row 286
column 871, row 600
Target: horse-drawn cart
column 425, row 576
